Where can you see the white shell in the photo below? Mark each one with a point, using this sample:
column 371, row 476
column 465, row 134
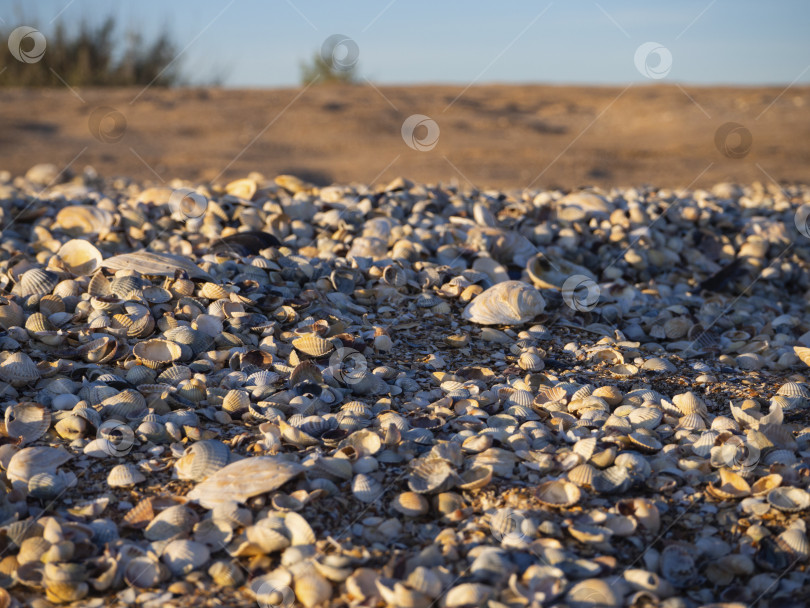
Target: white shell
column 507, row 303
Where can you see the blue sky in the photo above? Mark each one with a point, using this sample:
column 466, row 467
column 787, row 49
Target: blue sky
column 254, row 43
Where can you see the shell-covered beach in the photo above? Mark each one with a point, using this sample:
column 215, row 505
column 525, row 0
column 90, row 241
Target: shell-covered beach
column 268, row 392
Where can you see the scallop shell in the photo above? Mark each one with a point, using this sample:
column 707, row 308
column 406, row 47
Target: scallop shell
column 558, row 493
column 789, row 499
column 366, row 488
column 795, row 540
column 124, row 475
column 29, row 461
column 582, row 475
column 202, row 459
column 184, row 556
column 432, row 475
column 313, row 345
column 410, row 504
column 267, row 538
column 79, row 257
column 37, row 282
column 689, row 403
column 157, row 353
column 244, row 479
column 11, row 314
column 507, row 303
column 144, row 572
column 312, row 589
column 18, row 369
column 26, row 420
column 171, row 522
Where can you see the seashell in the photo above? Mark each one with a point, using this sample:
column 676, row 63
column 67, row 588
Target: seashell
column 184, row 556
column 99, row 350
column 149, row 263
column 156, row 353
column 312, row 589
column 789, row 499
column 79, row 257
column 475, row 478
column 202, row 459
column 173, row 521
column 11, row 314
column 795, row 541
column 18, row 369
column 28, row 421
column 313, row 345
column 644, row 442
column 410, row 504
column 242, row 188
column 273, row 589
column 731, row 486
column 366, row 488
column 244, row 479
column 689, row 403
column 124, row 475
column 557, row 494
column 507, row 303
column 266, row 538
column 48, row 486
column 552, row 275
column 432, row 475
column 33, row 460
column 593, row 592
column 764, row 485
column 803, row 354
column 531, row 361
column 582, row 475
column 657, row 364
column 467, row 594
column 677, row 565
column 84, row 220
column 226, row 574
column 37, row 282
column 144, row 572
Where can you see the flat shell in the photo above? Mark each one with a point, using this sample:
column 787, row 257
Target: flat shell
column 244, row 479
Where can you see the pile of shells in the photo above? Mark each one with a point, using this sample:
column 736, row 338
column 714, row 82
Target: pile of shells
column 403, row 395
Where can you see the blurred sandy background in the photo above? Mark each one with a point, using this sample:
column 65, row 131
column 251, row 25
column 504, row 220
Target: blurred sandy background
column 493, row 136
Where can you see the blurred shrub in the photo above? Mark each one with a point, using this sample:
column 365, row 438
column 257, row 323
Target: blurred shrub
column 94, row 56
column 321, row 71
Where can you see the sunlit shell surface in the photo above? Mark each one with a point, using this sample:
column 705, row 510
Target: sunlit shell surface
column 269, row 391
column 507, row 303
column 243, row 479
